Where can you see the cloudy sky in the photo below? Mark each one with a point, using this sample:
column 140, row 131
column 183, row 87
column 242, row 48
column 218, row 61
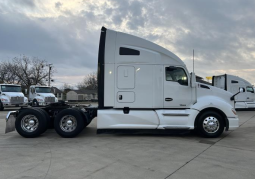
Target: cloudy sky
column 66, row 33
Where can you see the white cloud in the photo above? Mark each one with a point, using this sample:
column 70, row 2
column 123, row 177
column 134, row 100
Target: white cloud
column 66, row 33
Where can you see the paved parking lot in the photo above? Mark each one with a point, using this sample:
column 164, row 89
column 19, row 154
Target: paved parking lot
column 129, row 156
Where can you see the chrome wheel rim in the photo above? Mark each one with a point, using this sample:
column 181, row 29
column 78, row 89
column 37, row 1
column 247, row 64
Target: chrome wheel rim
column 29, row 123
column 68, row 123
column 211, row 124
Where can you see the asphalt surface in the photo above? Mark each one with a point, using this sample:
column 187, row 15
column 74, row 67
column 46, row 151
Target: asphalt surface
column 89, row 155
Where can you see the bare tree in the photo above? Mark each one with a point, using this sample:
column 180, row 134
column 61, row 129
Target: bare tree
column 66, row 86
column 6, row 75
column 25, row 71
column 89, row 82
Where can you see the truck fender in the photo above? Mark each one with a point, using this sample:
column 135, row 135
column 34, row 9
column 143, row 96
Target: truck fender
column 215, row 104
column 226, row 122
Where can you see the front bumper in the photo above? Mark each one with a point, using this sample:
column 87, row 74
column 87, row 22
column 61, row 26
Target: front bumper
column 8, row 104
column 233, row 123
column 44, row 104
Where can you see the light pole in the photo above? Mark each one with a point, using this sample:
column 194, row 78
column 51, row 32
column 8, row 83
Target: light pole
column 50, row 65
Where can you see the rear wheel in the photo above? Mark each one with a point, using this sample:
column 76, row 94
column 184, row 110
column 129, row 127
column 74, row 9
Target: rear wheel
column 47, row 117
column 210, row 124
column 31, row 123
column 69, row 123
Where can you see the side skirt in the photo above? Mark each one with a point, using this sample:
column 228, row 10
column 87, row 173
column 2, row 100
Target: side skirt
column 144, row 131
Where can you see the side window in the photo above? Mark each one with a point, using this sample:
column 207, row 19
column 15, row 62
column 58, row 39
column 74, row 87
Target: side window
column 176, row 74
column 250, row 89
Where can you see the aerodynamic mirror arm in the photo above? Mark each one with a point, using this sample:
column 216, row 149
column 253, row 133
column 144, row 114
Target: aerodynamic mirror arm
column 241, row 90
column 233, row 97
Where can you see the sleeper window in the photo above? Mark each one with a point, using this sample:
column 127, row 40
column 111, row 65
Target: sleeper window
column 176, row 74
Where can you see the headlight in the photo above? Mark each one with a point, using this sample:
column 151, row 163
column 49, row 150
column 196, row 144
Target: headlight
column 4, row 100
column 40, row 100
column 234, row 111
column 56, row 99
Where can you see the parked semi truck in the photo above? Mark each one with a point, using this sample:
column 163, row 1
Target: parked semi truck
column 141, row 86
column 232, row 84
column 11, row 95
column 41, row 96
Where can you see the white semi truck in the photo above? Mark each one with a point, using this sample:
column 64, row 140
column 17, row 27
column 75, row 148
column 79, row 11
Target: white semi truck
column 232, row 84
column 41, row 96
column 11, row 95
column 141, row 86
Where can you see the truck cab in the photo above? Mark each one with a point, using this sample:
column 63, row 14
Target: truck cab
column 144, row 86
column 232, row 84
column 41, row 95
column 11, row 96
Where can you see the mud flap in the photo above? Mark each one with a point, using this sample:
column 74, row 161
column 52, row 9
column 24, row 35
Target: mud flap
column 10, row 122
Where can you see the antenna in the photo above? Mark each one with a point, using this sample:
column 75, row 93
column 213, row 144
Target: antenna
column 193, row 60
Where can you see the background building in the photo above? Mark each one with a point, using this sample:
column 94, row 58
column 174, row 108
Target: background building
column 81, row 95
column 58, row 93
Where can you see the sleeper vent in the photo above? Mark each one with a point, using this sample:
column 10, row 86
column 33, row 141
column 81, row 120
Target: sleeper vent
column 234, row 81
column 128, row 51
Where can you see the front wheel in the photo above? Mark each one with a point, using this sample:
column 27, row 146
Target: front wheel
column 35, row 103
column 210, row 124
column 69, row 123
column 1, row 106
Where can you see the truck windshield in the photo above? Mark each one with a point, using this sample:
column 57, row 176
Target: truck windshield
column 10, row 88
column 250, row 89
column 43, row 90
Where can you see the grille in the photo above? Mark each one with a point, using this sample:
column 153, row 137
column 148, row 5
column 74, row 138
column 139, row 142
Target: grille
column 49, row 99
column 17, row 100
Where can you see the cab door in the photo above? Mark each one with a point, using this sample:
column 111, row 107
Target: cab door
column 177, row 90
column 31, row 93
column 250, row 93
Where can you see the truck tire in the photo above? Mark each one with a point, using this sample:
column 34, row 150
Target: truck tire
column 86, row 123
column 1, row 106
column 47, row 117
column 31, row 123
column 69, row 123
column 35, row 103
column 210, row 124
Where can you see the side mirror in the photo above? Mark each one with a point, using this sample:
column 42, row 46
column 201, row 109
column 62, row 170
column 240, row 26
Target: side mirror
column 192, row 80
column 25, row 91
column 241, row 90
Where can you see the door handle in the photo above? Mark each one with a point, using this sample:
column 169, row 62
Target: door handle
column 168, row 99
column 120, row 97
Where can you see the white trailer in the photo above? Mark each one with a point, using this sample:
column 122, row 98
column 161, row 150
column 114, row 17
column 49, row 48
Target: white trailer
column 41, row 96
column 232, row 84
column 141, row 86
column 11, row 95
